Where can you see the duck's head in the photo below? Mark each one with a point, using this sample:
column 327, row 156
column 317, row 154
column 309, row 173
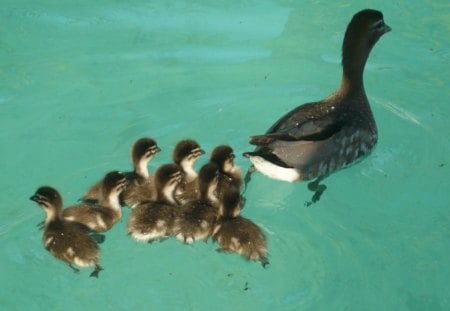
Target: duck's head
column 187, row 150
column 49, row 199
column 167, row 179
column 363, row 31
column 142, row 152
column 223, row 156
column 113, row 184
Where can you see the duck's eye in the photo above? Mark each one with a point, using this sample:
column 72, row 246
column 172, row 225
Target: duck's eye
column 378, row 24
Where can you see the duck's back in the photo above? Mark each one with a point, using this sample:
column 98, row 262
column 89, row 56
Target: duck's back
column 240, row 232
column 151, row 215
column 139, row 190
column 95, row 217
column 318, row 138
column 67, row 242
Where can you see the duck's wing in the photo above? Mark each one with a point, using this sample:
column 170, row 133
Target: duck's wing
column 297, row 125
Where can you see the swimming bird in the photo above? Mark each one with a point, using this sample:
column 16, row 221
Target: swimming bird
column 316, row 139
column 155, row 219
column 230, row 174
column 140, row 183
column 185, row 154
column 197, row 218
column 237, row 234
column 102, row 216
column 65, row 240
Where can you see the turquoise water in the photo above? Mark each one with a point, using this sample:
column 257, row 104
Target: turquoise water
column 80, row 83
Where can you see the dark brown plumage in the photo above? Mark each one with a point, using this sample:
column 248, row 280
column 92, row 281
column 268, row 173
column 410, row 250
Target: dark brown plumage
column 140, row 184
column 185, row 154
column 63, row 239
column 237, row 234
column 316, row 139
column 155, row 219
column 197, row 218
column 230, row 174
column 102, row 216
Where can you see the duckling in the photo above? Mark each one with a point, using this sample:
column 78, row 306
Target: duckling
column 185, row 154
column 230, row 174
column 141, row 187
column 235, row 233
column 154, row 220
column 100, row 217
column 316, row 139
column 64, row 239
column 140, row 184
column 197, row 218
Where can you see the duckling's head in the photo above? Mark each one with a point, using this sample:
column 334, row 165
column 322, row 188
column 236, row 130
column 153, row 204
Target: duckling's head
column 223, row 156
column 49, row 199
column 363, row 31
column 143, row 150
column 231, row 203
column 208, row 179
column 113, row 184
column 167, row 179
column 187, row 150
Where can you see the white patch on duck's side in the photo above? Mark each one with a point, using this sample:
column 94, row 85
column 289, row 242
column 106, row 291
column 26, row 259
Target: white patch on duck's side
column 48, row 241
column 199, row 236
column 204, row 224
column 235, row 245
column 184, row 239
column 217, row 228
column 132, row 206
column 161, row 223
column 69, row 218
column 188, row 168
column 70, row 252
column 83, row 263
column 152, row 235
column 274, row 171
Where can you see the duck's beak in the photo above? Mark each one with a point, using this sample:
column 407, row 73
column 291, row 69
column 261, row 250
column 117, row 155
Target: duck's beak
column 386, row 28
column 36, row 198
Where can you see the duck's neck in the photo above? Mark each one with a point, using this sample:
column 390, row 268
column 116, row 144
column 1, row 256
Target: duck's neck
column 52, row 214
column 113, row 201
column 188, row 168
column 351, row 85
column 207, row 193
column 166, row 195
column 141, row 167
column 354, row 60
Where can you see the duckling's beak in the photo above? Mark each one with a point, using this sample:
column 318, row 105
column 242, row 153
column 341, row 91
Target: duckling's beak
column 197, row 152
column 36, row 198
column 155, row 149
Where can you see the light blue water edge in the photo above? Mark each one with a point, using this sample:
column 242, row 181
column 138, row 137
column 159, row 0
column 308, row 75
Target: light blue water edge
column 79, row 83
